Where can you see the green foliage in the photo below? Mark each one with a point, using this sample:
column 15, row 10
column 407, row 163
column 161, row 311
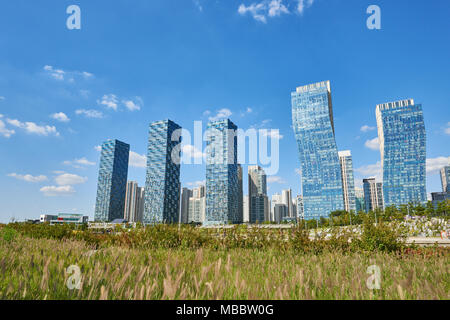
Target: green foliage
column 380, row 237
column 8, row 234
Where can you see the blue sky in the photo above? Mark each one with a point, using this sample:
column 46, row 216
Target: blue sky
column 63, row 92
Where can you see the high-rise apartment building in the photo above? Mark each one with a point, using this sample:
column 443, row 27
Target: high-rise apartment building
column 373, row 194
column 162, row 186
column 348, row 181
column 287, row 200
column 186, row 194
column 401, row 132
column 445, row 179
column 312, row 118
column 240, row 194
column 359, row 199
column 257, row 192
column 134, row 202
column 222, row 190
column 299, row 204
column 112, row 181
column 197, row 206
column 280, row 211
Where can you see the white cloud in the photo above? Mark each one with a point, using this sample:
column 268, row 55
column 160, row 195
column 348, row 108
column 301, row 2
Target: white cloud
column 197, row 183
column 221, row 114
column 366, row 128
column 67, row 179
column 33, row 128
column 7, row 133
column 275, row 179
column 79, row 163
column 447, row 129
column 298, row 171
column 436, row 164
column 137, row 161
column 60, row 116
column 132, row 105
column 2, row 98
column 371, row 170
column 303, row 4
column 261, row 11
column 373, row 144
column 61, row 75
column 94, row 114
column 98, row 148
column 206, row 113
column 192, row 152
column 57, row 74
column 110, row 101
column 53, row 191
column 273, row 134
column 28, row 177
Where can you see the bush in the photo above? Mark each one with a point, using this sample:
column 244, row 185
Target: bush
column 8, row 234
column 380, row 237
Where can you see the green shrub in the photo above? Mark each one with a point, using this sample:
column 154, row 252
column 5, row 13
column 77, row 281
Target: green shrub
column 8, row 234
column 380, row 237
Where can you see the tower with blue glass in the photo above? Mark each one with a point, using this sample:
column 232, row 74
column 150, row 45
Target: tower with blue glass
column 312, row 119
column 222, row 187
column 401, row 132
column 162, row 186
column 112, row 181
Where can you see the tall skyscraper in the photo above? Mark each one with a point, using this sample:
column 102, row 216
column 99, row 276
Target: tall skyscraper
column 359, row 199
column 401, row 132
column 287, row 200
column 222, row 190
column 184, row 209
column 348, row 181
column 197, row 205
column 134, row 202
column 257, row 193
column 246, row 209
column 162, row 186
column 312, row 118
column 300, row 212
column 373, row 194
column 240, row 194
column 112, row 181
column 445, row 179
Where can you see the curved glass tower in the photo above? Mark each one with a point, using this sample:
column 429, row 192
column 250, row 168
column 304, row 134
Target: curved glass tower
column 312, row 119
column 401, row 131
column 162, row 186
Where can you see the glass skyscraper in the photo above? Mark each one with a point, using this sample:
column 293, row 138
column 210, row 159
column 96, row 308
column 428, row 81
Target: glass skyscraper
column 112, row 181
column 162, row 186
column 348, row 181
column 222, row 187
column 401, row 131
column 373, row 195
column 257, row 195
column 445, row 179
column 312, row 117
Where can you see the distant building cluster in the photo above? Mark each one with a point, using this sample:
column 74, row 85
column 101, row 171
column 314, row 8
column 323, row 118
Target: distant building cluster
column 327, row 177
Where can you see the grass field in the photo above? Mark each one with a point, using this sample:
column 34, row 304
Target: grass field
column 37, row 269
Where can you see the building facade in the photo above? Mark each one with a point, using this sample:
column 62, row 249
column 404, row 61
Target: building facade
column 240, row 193
column 162, row 186
column 445, row 179
column 287, row 200
column 312, row 118
column 222, row 190
column 401, row 132
column 186, row 194
column 348, row 180
column 134, row 202
column 112, row 181
column 300, row 213
column 257, row 192
column 359, row 199
column 373, row 195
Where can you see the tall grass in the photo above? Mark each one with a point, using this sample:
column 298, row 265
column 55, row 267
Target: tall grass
column 36, row 269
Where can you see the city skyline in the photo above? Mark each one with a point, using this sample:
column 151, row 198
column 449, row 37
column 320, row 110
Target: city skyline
column 60, row 103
